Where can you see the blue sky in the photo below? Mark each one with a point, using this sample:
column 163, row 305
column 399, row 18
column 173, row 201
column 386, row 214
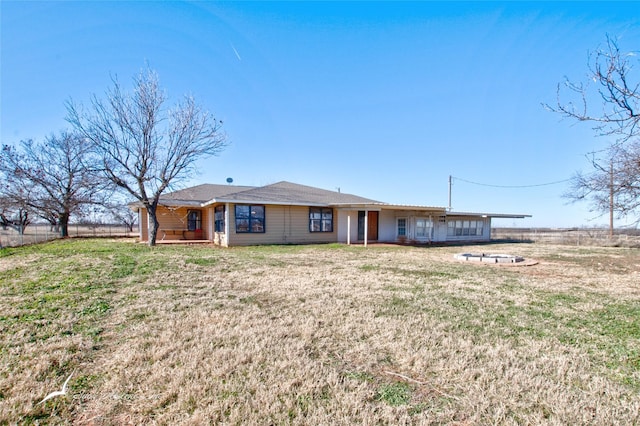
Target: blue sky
column 383, row 100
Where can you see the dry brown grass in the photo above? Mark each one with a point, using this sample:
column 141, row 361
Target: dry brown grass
column 318, row 335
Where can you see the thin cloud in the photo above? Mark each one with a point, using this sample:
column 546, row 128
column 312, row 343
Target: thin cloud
column 235, row 51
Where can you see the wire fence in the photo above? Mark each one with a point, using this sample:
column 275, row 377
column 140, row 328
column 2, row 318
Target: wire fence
column 572, row 236
column 39, row 233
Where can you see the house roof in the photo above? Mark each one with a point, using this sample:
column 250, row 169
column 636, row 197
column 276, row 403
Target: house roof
column 283, row 193
column 199, row 194
column 293, row 194
column 288, row 193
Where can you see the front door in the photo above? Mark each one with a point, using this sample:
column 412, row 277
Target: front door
column 372, row 226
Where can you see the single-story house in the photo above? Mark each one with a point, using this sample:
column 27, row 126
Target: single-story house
column 289, row 213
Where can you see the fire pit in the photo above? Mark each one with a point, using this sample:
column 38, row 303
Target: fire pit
column 489, row 258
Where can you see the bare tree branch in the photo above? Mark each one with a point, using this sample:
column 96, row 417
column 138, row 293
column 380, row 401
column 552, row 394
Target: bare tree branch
column 145, row 148
column 616, row 90
column 56, row 178
column 611, row 70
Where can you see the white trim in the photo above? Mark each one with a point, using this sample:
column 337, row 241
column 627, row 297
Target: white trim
column 211, row 221
column 148, row 227
column 366, row 226
column 140, row 224
column 490, row 215
column 429, row 229
column 406, row 227
column 227, row 233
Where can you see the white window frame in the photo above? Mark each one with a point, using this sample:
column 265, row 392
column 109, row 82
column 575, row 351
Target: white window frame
column 428, row 228
column 406, row 227
column 465, row 228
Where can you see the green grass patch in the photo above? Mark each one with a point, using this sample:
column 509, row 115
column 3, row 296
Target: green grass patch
column 123, row 265
column 394, row 394
column 362, row 376
column 202, row 261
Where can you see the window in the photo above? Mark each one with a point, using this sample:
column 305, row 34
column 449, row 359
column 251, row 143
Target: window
column 320, row 219
column 402, row 227
column 423, row 228
column 472, row 228
column 451, row 228
column 219, row 218
column 194, row 220
column 463, row 228
column 249, row 218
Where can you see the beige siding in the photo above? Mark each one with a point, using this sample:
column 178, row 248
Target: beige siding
column 173, row 224
column 283, row 225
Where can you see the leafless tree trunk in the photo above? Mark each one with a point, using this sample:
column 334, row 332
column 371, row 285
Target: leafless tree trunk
column 17, row 219
column 145, row 148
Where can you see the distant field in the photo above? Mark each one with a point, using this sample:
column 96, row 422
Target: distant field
column 318, row 335
column 39, row 233
column 571, row 236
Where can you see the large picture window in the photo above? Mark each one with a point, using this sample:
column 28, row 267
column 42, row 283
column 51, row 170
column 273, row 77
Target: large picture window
column 249, row 218
column 219, row 218
column 320, row 219
column 464, row 228
column 194, row 220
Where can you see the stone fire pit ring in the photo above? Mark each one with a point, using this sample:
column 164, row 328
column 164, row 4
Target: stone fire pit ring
column 488, row 258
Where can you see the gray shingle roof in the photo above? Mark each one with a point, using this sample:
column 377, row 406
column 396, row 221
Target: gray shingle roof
column 201, row 193
column 287, row 192
column 281, row 192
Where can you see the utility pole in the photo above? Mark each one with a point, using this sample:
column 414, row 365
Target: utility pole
column 611, row 199
column 450, row 183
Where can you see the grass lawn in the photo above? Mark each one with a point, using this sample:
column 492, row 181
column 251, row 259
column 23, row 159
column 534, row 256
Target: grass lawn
column 317, row 335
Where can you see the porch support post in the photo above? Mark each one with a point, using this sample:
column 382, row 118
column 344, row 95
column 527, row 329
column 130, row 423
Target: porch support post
column 348, row 228
column 210, row 222
column 227, row 225
column 148, row 230
column 366, row 226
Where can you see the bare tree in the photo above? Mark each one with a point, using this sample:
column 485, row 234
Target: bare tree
column 54, row 178
column 612, row 105
column 613, row 184
column 145, row 148
column 117, row 210
column 124, row 215
column 14, row 216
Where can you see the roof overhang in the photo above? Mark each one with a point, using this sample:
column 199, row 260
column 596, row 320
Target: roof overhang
column 491, row 215
column 385, row 206
column 137, row 205
column 431, row 209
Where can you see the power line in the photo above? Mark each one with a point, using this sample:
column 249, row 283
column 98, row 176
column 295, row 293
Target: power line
column 511, row 186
